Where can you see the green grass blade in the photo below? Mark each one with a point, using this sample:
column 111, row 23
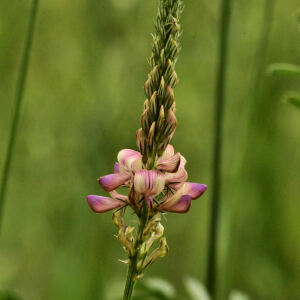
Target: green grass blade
column 18, row 101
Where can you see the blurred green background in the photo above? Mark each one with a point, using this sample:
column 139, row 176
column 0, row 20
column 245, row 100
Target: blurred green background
column 82, row 104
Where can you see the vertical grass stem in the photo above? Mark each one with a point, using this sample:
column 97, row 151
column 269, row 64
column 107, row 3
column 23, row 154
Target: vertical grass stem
column 18, row 101
column 218, row 143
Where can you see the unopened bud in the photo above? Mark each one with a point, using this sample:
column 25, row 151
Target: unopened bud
column 170, row 123
column 151, row 226
column 151, row 134
column 145, row 120
column 159, row 252
column 148, row 88
column 118, row 219
column 169, row 96
column 161, row 118
column 153, row 103
column 161, row 89
column 126, row 238
column 141, row 140
column 174, row 79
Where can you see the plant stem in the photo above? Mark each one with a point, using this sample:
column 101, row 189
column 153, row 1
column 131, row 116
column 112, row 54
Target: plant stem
column 132, row 268
column 216, row 180
column 245, row 129
column 18, row 101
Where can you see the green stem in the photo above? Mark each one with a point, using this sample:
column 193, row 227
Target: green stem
column 216, row 180
column 18, row 101
column 245, row 129
column 132, row 268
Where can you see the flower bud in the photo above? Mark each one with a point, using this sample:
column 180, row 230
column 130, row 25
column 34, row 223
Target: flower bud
column 118, row 219
column 148, row 88
column 151, row 225
column 141, row 140
column 151, row 134
column 159, row 252
column 153, row 103
column 126, row 238
column 161, row 89
column 161, row 118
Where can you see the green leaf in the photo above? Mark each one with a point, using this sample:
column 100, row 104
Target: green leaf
column 283, row 68
column 196, row 289
column 292, row 98
column 159, row 288
column 237, row 295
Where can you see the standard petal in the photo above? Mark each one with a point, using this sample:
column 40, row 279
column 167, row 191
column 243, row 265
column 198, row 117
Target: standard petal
column 129, row 160
column 181, row 206
column 195, row 190
column 170, row 164
column 101, row 204
column 148, row 182
column 112, row 181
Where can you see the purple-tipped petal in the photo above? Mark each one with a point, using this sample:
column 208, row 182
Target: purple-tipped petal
column 170, row 164
column 116, row 167
column 101, row 204
column 112, row 181
column 181, row 206
column 195, row 190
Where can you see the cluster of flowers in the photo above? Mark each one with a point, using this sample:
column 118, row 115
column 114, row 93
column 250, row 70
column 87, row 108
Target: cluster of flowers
column 164, row 188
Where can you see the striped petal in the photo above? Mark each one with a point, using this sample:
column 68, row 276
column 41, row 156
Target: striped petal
column 170, row 164
column 195, row 190
column 181, row 206
column 178, row 177
column 129, row 160
column 169, row 152
column 148, row 182
column 112, row 181
column 101, row 204
column 172, row 197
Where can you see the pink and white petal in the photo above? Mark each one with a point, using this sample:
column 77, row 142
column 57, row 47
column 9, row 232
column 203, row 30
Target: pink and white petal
column 178, row 177
column 116, row 167
column 129, row 160
column 101, row 204
column 171, row 198
column 134, row 198
column 181, row 206
column 112, row 181
column 148, row 182
column 195, row 190
column 170, row 164
column 169, row 152
column 115, row 195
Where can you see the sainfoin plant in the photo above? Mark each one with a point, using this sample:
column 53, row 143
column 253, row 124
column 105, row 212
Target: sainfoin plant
column 155, row 176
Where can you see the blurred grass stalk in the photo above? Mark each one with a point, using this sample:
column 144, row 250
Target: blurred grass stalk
column 211, row 273
column 247, row 119
column 19, row 93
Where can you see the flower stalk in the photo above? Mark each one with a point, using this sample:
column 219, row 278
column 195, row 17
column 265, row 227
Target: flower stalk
column 155, row 175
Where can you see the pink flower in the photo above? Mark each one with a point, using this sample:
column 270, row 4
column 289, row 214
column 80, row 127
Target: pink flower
column 168, row 178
